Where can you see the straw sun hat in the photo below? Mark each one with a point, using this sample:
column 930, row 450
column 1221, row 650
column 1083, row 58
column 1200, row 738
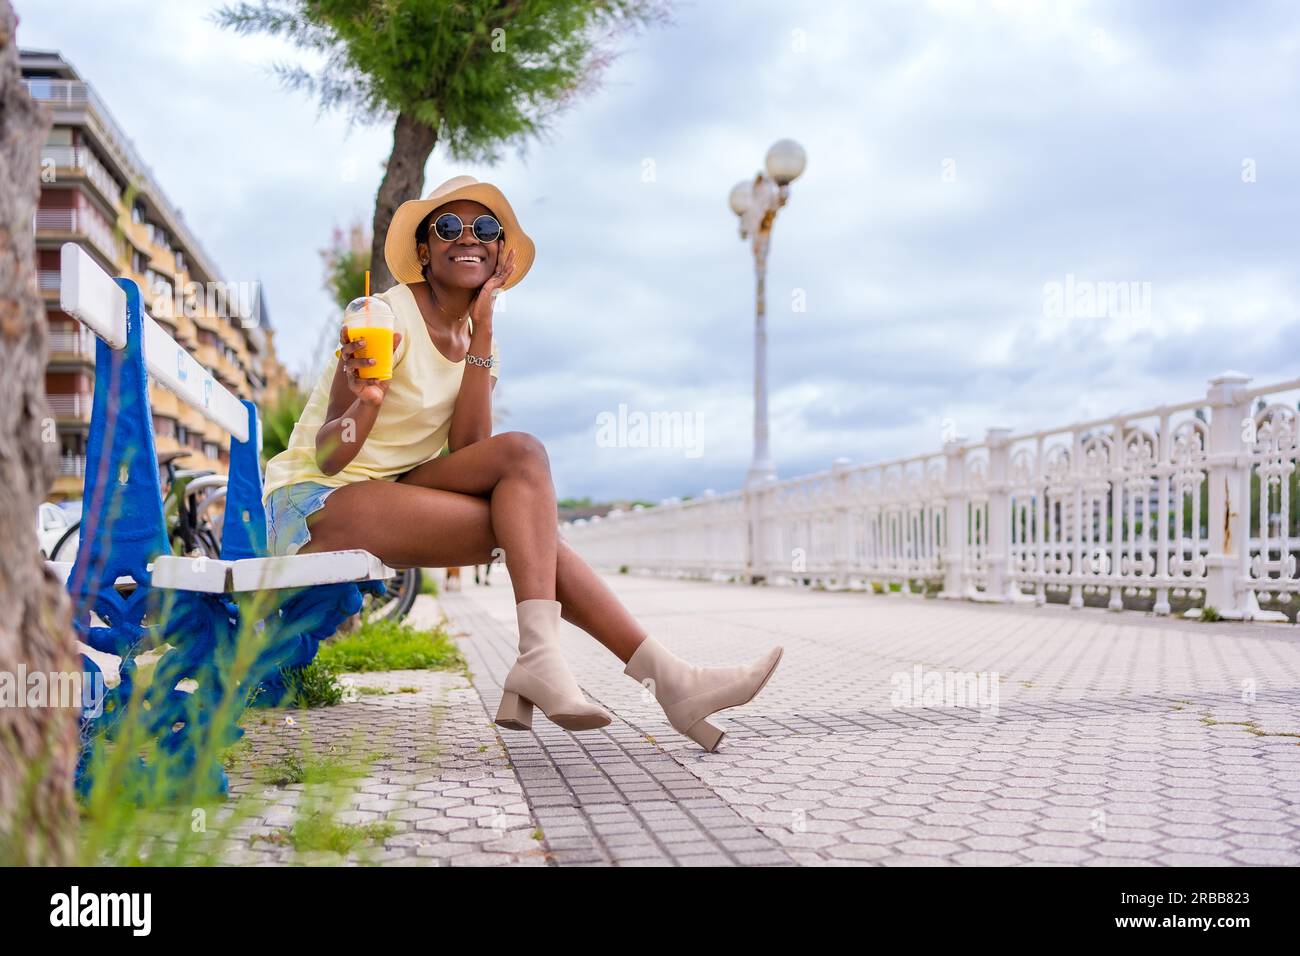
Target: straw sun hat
column 399, row 243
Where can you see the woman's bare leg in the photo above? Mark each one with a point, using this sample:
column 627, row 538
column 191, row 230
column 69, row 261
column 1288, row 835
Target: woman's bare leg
column 443, row 528
column 497, row 493
column 512, row 471
column 588, row 603
column 404, row 527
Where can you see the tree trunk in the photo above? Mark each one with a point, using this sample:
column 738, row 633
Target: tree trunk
column 38, row 740
column 403, row 180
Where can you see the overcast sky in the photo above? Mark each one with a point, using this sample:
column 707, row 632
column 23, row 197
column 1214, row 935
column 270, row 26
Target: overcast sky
column 963, row 157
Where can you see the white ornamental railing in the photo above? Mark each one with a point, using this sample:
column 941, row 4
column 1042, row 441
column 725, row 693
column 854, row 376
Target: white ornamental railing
column 1185, row 506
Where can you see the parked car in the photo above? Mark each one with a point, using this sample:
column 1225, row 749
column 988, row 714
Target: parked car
column 52, row 523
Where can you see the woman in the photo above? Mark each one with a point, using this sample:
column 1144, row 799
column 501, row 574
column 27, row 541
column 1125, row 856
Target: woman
column 363, row 470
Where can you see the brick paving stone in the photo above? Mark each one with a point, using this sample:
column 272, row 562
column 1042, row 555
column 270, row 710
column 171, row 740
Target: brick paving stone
column 626, row 800
column 434, row 772
column 1111, row 742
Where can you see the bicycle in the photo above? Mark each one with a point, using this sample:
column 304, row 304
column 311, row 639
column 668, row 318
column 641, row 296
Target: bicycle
column 191, row 534
column 190, row 527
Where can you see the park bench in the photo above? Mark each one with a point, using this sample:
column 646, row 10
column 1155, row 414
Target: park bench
column 142, row 596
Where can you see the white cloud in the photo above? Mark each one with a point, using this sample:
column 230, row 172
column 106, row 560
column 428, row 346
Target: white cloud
column 1113, row 156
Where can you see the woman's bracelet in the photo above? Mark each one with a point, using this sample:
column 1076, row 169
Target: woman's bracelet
column 475, row 360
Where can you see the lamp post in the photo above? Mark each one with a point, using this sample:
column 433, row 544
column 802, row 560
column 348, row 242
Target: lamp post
column 756, row 203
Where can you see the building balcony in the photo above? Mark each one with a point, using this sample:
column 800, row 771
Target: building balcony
column 162, row 254
column 70, row 407
column 165, row 443
column 80, row 160
column 61, row 94
column 185, row 335
column 164, row 401
column 78, row 103
column 159, row 303
column 72, row 466
column 229, row 373
column 256, row 340
column 214, row 433
column 66, row 488
column 191, row 419
column 79, row 225
column 76, row 345
column 205, row 320
column 207, row 355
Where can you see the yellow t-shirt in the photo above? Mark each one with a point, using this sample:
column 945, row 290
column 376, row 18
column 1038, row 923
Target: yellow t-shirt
column 413, row 421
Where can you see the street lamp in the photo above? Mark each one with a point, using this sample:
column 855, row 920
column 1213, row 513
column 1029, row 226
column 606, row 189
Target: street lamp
column 756, row 204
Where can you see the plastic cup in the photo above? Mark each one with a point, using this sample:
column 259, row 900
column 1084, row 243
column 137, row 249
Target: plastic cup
column 371, row 319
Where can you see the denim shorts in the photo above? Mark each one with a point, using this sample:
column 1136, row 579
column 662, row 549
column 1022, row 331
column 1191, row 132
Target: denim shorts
column 287, row 510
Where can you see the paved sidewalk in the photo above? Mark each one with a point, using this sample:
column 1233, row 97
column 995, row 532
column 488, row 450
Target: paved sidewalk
column 1098, row 738
column 436, row 777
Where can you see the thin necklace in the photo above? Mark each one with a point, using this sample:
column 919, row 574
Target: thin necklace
column 437, row 305
column 429, row 285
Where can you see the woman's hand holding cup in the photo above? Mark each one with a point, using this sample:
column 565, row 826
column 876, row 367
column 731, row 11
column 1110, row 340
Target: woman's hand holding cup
column 371, row 391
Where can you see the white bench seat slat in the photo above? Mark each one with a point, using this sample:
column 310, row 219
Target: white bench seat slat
column 213, row 576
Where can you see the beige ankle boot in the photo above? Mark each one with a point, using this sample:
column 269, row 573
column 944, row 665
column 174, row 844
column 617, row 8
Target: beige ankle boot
column 540, row 676
column 688, row 693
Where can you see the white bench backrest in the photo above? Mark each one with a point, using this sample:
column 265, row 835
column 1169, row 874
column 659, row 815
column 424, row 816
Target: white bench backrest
column 89, row 294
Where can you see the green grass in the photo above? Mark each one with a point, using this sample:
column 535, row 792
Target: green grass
column 308, row 769
column 315, row 685
column 388, row 646
column 238, row 754
column 320, row 831
column 428, row 583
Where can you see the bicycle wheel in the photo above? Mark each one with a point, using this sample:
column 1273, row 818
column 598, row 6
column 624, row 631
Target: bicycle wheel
column 205, row 544
column 393, row 599
column 213, row 498
column 208, row 542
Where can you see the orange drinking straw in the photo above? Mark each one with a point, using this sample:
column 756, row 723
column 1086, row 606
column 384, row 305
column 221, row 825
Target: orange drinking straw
column 367, row 292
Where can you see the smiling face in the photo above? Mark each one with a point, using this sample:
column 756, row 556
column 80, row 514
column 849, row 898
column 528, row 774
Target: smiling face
column 464, row 263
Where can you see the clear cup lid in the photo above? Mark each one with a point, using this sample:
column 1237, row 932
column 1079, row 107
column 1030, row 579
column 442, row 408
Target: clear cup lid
column 368, row 311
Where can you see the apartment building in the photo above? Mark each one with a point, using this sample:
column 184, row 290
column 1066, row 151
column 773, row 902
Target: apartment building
column 98, row 193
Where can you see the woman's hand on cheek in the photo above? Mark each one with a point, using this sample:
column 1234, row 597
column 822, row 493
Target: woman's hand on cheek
column 480, row 310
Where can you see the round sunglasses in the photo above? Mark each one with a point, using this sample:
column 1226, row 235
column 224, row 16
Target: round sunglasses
column 449, row 227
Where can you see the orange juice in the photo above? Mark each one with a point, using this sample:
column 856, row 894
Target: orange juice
column 379, row 346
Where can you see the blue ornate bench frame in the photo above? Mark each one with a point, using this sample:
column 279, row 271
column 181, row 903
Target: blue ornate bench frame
column 123, row 532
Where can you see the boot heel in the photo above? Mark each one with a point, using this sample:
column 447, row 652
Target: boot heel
column 515, row 712
column 705, row 734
